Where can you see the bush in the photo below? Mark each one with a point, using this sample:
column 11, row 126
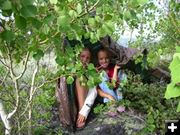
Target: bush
column 149, row 99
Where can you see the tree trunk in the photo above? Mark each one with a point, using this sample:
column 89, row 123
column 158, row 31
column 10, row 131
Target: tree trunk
column 29, row 122
column 31, row 98
column 6, row 121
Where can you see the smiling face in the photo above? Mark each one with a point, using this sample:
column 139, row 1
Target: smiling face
column 103, row 59
column 85, row 56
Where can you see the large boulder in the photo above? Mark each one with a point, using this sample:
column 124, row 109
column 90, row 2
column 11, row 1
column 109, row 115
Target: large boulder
column 126, row 123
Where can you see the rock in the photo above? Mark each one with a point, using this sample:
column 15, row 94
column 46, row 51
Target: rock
column 102, row 129
column 125, row 123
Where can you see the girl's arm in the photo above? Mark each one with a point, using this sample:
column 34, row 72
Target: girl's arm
column 88, row 103
column 115, row 74
column 105, row 95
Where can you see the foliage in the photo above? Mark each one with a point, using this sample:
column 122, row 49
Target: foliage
column 30, row 28
column 162, row 35
column 148, row 99
column 43, row 103
column 173, row 89
column 101, row 108
column 36, row 21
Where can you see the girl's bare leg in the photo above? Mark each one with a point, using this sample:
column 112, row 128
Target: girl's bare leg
column 81, row 93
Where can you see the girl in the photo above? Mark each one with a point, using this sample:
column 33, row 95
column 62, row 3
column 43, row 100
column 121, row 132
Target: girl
column 110, row 77
column 85, row 97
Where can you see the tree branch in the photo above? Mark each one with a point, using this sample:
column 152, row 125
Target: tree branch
column 11, row 62
column 17, row 99
column 15, row 83
column 25, row 66
column 90, row 9
column 86, row 6
column 31, row 89
column 31, row 97
column 4, row 64
column 5, row 120
column 47, row 39
column 174, row 23
column 2, row 81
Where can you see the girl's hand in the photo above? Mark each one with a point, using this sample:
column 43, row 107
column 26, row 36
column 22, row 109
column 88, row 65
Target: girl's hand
column 81, row 118
column 117, row 67
column 111, row 98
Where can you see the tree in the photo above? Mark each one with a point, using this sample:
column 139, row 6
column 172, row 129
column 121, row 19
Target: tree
column 33, row 27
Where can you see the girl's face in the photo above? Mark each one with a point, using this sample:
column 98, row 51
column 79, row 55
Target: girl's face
column 103, row 59
column 85, row 57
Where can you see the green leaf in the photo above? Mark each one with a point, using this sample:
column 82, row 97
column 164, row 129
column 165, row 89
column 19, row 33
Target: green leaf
column 127, row 15
column 91, row 66
column 53, row 1
column 6, row 5
column 49, row 18
column 90, row 83
column 174, row 67
column 29, row 11
column 36, row 23
column 79, row 8
column 45, row 29
column 178, row 49
column 142, row 2
column 78, row 66
column 70, row 80
column 150, row 119
column 92, row 22
column 107, row 17
column 98, row 19
column 93, row 37
column 7, row 35
column 27, row 2
column 38, row 54
column 7, row 13
column 32, row 48
column 20, row 22
column 60, row 60
column 63, row 21
column 72, row 13
column 108, row 27
column 101, row 32
column 172, row 91
column 178, row 108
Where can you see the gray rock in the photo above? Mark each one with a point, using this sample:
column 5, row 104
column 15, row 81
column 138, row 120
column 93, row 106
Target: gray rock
column 126, row 123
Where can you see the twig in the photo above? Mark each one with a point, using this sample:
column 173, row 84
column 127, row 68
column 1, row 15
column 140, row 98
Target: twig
column 25, row 66
column 23, row 124
column 90, row 9
column 11, row 62
column 49, row 81
column 86, row 6
column 174, row 23
column 31, row 89
column 4, row 64
column 38, row 87
column 6, row 100
column 47, row 39
column 4, row 78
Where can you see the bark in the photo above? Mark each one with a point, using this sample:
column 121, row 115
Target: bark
column 30, row 100
column 5, row 119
